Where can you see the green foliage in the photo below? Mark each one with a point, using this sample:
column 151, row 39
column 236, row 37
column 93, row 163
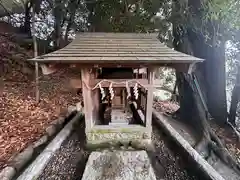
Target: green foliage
column 225, row 11
column 224, row 15
column 123, row 15
column 232, row 61
column 216, row 20
column 8, row 7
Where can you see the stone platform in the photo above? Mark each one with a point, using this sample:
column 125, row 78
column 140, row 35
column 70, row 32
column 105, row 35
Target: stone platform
column 118, row 165
column 114, row 134
column 118, row 117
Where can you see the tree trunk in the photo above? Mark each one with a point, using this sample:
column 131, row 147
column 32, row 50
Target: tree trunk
column 190, row 112
column 192, row 109
column 235, row 100
column 174, row 96
column 211, row 72
column 27, row 27
column 57, row 23
column 91, row 17
column 74, row 5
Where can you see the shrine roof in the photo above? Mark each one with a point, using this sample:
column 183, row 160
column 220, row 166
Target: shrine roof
column 124, row 48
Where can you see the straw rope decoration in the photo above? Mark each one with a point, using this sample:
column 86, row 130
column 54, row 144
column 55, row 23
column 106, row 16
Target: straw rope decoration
column 135, row 91
column 121, row 82
column 98, row 85
column 102, row 91
column 111, row 91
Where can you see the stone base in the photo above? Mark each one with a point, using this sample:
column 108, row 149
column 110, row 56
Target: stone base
column 113, row 135
column 119, row 165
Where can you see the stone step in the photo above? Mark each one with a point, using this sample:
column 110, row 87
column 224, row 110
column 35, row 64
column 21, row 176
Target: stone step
column 118, row 123
column 119, row 165
column 119, row 120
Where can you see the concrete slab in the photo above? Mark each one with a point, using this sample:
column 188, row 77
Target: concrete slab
column 119, row 165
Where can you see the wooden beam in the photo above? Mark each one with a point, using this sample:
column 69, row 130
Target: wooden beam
column 134, row 59
column 117, row 41
column 191, row 68
column 181, row 67
column 143, row 82
column 116, row 54
column 77, row 83
column 116, row 81
column 115, row 49
column 111, row 48
column 66, row 52
column 120, row 45
column 113, row 39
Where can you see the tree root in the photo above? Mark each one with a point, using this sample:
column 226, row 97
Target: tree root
column 193, row 110
column 176, row 114
column 202, row 148
column 205, row 147
column 220, row 150
column 235, row 130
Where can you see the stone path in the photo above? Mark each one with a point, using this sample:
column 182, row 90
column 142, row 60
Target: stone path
column 119, row 165
column 166, row 164
column 69, row 162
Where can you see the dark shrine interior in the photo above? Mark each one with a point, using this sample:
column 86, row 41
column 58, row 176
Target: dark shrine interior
column 106, row 104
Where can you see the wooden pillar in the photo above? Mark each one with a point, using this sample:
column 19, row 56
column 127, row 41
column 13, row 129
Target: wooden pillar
column 87, row 98
column 145, row 105
column 95, row 103
column 143, row 99
column 137, row 75
column 149, row 108
column 124, row 99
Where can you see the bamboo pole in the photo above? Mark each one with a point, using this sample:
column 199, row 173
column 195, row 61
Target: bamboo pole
column 35, row 53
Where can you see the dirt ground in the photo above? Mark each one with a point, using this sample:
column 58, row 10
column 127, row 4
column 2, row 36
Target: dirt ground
column 22, row 121
column 229, row 138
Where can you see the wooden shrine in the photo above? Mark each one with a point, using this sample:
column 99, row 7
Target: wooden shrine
column 117, row 80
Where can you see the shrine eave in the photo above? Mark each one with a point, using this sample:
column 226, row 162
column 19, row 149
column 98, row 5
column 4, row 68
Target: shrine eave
column 117, row 48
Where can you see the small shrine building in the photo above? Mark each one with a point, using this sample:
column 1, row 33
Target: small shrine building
column 117, row 78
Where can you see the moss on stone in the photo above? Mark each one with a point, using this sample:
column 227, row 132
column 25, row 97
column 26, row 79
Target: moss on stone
column 120, row 130
column 117, row 144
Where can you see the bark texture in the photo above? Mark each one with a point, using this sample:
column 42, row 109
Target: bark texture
column 57, row 13
column 211, row 73
column 235, row 100
column 211, row 77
